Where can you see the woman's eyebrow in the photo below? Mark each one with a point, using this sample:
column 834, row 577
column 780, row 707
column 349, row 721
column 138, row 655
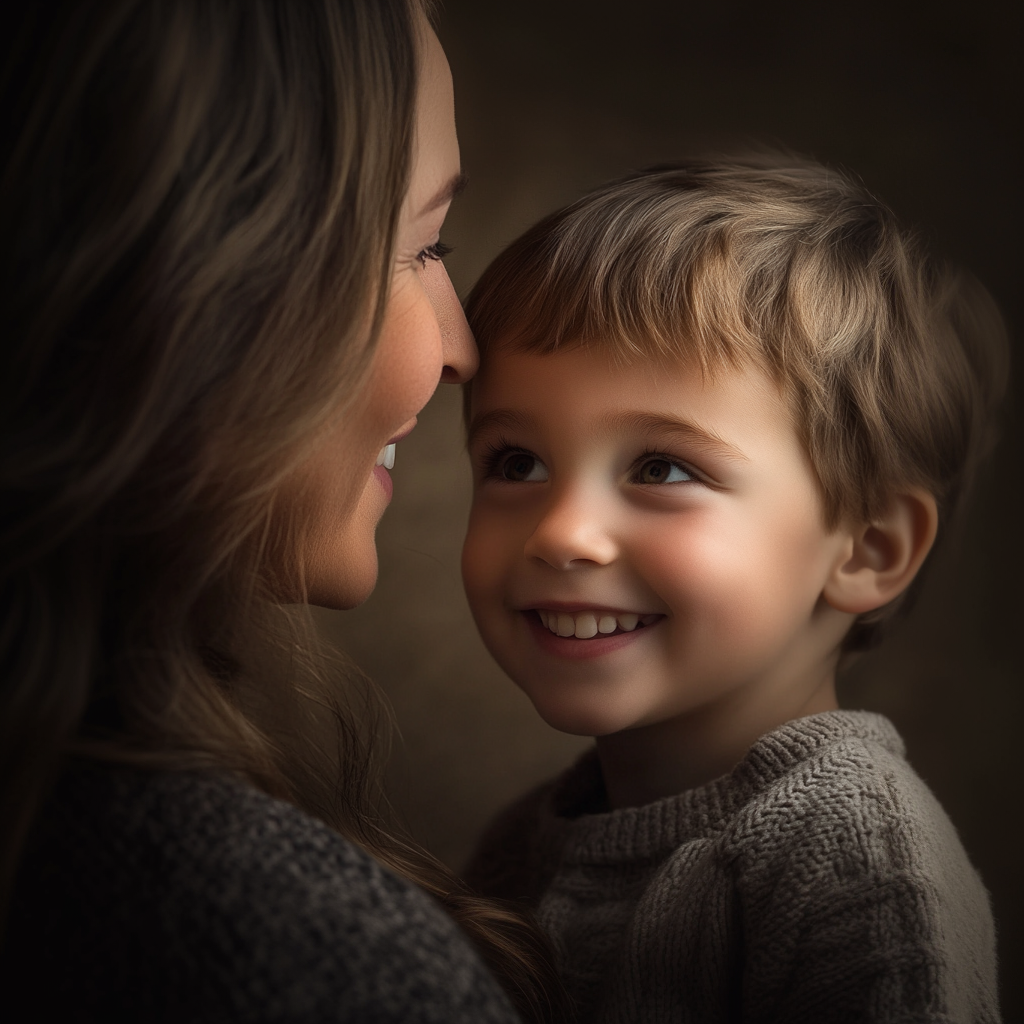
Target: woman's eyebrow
column 447, row 192
column 702, row 438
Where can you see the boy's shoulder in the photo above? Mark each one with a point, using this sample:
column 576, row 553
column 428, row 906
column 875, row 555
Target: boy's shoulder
column 837, row 789
column 830, row 806
column 847, row 856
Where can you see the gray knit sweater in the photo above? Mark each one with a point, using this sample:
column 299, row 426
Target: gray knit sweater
column 187, row 898
column 820, row 881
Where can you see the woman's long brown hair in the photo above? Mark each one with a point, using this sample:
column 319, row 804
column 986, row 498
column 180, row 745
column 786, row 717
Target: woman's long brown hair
column 199, row 199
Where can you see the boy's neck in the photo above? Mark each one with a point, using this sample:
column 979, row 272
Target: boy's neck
column 651, row 762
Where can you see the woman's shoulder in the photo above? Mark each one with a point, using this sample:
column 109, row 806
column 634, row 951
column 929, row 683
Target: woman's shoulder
column 179, row 895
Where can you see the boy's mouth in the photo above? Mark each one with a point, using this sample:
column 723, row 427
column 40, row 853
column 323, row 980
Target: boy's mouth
column 585, row 625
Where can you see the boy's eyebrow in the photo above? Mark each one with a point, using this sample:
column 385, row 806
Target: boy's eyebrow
column 635, row 422
column 699, row 437
column 507, row 418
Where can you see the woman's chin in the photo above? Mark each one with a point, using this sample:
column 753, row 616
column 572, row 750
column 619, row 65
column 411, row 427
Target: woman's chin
column 343, row 583
column 351, row 595
column 343, row 570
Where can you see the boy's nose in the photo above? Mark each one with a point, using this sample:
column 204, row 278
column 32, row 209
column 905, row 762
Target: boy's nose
column 572, row 531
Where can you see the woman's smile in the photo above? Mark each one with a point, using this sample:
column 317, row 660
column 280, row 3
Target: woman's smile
column 386, row 460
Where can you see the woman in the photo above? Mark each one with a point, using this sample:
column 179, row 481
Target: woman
column 224, row 300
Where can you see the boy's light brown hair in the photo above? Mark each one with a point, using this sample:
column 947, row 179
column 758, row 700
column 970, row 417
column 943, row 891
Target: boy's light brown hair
column 893, row 361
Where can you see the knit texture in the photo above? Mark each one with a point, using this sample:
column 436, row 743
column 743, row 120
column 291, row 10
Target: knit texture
column 191, row 898
column 820, row 881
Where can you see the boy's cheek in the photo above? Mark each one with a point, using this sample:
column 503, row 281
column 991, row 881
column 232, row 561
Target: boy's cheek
column 485, row 584
column 484, row 557
column 495, row 533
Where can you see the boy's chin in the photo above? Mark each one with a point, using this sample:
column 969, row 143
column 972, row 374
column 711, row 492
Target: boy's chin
column 592, row 718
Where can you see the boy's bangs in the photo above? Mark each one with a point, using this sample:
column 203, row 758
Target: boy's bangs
column 621, row 279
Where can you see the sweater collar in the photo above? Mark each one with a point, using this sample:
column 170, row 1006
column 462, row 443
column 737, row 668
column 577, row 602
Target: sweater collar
column 591, row 834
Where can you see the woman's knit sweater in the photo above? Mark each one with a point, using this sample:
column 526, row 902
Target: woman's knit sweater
column 191, row 898
column 819, row 882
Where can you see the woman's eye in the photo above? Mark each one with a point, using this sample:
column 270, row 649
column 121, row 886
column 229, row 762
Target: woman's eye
column 437, row 251
column 662, row 471
column 521, row 467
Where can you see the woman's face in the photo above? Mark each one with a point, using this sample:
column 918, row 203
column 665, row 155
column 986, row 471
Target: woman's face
column 425, row 338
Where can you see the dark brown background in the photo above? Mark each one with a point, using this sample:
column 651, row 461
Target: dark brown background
column 555, row 96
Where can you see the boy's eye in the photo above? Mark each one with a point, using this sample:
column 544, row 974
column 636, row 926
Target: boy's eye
column 521, row 467
column 661, row 471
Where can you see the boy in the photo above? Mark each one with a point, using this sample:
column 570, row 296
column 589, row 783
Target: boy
column 723, row 411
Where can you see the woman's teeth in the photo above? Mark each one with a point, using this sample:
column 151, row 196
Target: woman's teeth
column 387, row 457
column 585, row 625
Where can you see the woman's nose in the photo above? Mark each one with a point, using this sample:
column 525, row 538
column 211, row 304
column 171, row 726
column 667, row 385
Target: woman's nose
column 573, row 534
column 458, row 347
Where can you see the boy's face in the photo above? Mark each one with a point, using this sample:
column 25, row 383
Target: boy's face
column 642, row 544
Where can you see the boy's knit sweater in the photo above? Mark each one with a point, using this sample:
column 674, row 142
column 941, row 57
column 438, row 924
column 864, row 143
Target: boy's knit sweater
column 820, row 881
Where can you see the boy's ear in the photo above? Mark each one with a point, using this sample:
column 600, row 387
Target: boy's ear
column 882, row 557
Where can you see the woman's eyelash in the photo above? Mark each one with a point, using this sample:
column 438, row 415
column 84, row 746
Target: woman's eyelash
column 437, row 251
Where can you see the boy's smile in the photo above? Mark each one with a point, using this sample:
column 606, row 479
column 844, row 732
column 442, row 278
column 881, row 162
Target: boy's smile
column 646, row 546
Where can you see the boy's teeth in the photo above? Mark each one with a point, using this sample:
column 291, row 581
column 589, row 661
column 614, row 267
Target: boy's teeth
column 585, row 625
column 387, row 457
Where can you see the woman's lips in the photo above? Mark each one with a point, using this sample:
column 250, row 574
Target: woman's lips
column 386, row 460
column 384, row 479
column 406, row 430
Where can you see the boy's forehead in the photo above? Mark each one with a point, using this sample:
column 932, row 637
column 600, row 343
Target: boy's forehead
column 517, row 373
column 593, row 382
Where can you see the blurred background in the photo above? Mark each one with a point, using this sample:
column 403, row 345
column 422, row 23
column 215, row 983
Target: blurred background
column 555, row 96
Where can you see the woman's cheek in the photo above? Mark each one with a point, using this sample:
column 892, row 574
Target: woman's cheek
column 409, row 357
